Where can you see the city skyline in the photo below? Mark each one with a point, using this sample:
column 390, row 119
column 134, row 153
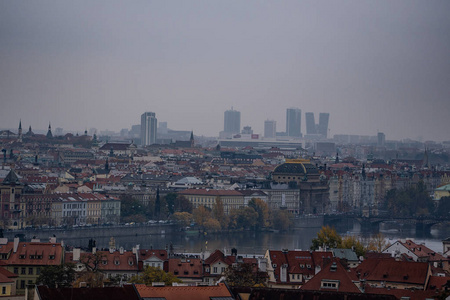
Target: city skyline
column 372, row 66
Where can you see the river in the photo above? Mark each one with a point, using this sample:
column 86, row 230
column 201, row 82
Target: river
column 248, row 242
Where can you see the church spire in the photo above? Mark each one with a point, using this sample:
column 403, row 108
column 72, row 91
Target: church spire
column 20, row 129
column 49, row 132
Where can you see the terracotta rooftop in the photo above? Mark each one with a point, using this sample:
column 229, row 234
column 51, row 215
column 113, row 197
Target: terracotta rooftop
column 185, row 292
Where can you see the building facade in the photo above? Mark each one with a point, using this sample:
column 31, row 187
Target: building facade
column 232, row 121
column 293, row 122
column 148, row 128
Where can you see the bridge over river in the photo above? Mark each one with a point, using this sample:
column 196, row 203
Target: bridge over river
column 371, row 224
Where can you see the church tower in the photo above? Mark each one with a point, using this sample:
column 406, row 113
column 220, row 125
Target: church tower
column 192, row 139
column 49, row 132
column 20, row 130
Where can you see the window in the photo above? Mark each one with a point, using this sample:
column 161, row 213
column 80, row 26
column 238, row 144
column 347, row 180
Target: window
column 215, row 270
column 222, row 269
column 16, row 270
column 38, row 271
column 22, row 284
column 23, row 271
column 30, row 271
column 3, row 290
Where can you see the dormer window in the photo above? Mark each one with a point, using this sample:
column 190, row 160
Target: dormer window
column 51, row 257
column 130, row 262
column 22, row 256
column 117, row 262
column 105, row 262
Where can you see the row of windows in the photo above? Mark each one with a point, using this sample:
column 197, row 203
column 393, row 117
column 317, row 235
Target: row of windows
column 23, row 271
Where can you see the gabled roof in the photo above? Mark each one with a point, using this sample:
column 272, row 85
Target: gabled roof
column 390, row 270
column 185, row 292
column 39, row 254
column 333, row 272
column 11, row 178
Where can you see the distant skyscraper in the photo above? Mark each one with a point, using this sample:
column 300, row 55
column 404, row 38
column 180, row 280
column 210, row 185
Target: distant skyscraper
column 270, row 129
column 381, row 139
column 148, row 128
column 323, row 124
column 232, row 121
column 310, row 123
column 293, row 122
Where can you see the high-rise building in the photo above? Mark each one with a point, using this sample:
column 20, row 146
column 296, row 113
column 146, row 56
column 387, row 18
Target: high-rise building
column 323, row 124
column 148, row 128
column 310, row 123
column 381, row 139
column 232, row 121
column 293, row 122
column 270, row 129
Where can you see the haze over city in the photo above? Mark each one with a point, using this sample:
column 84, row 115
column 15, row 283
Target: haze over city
column 373, row 65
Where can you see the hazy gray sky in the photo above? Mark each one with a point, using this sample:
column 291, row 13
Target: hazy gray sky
column 373, row 65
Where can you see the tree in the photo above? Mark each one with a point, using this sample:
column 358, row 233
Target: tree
column 177, row 203
column 351, row 242
column 92, row 262
column 201, row 215
column 377, row 243
column 443, row 208
column 57, row 276
column 281, row 220
column 218, row 213
column 326, row 237
column 183, row 218
column 263, row 212
column 244, row 218
column 91, row 279
column 131, row 210
column 212, row 225
column 154, row 274
column 245, row 274
column 412, row 201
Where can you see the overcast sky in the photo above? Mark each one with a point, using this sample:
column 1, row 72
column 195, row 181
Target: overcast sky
column 373, row 65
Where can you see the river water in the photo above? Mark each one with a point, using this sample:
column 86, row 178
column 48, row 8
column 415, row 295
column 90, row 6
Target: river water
column 248, row 242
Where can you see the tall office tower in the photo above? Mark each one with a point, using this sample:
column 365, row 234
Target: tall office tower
column 232, row 121
column 310, row 123
column 293, row 122
column 323, row 124
column 381, row 139
column 148, row 128
column 270, row 129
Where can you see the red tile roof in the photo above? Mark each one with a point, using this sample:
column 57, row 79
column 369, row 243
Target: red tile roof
column 184, row 292
column 35, row 254
column 332, row 272
column 389, row 270
column 186, row 268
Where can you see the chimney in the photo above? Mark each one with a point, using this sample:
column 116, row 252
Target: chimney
column 121, row 250
column 16, row 244
column 94, row 250
column 283, row 273
column 76, row 254
column 3, row 241
column 53, row 240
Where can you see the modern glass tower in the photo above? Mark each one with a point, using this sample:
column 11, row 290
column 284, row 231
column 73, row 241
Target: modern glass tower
column 148, row 128
column 293, row 122
column 310, row 123
column 232, row 121
column 323, row 124
column 270, row 129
